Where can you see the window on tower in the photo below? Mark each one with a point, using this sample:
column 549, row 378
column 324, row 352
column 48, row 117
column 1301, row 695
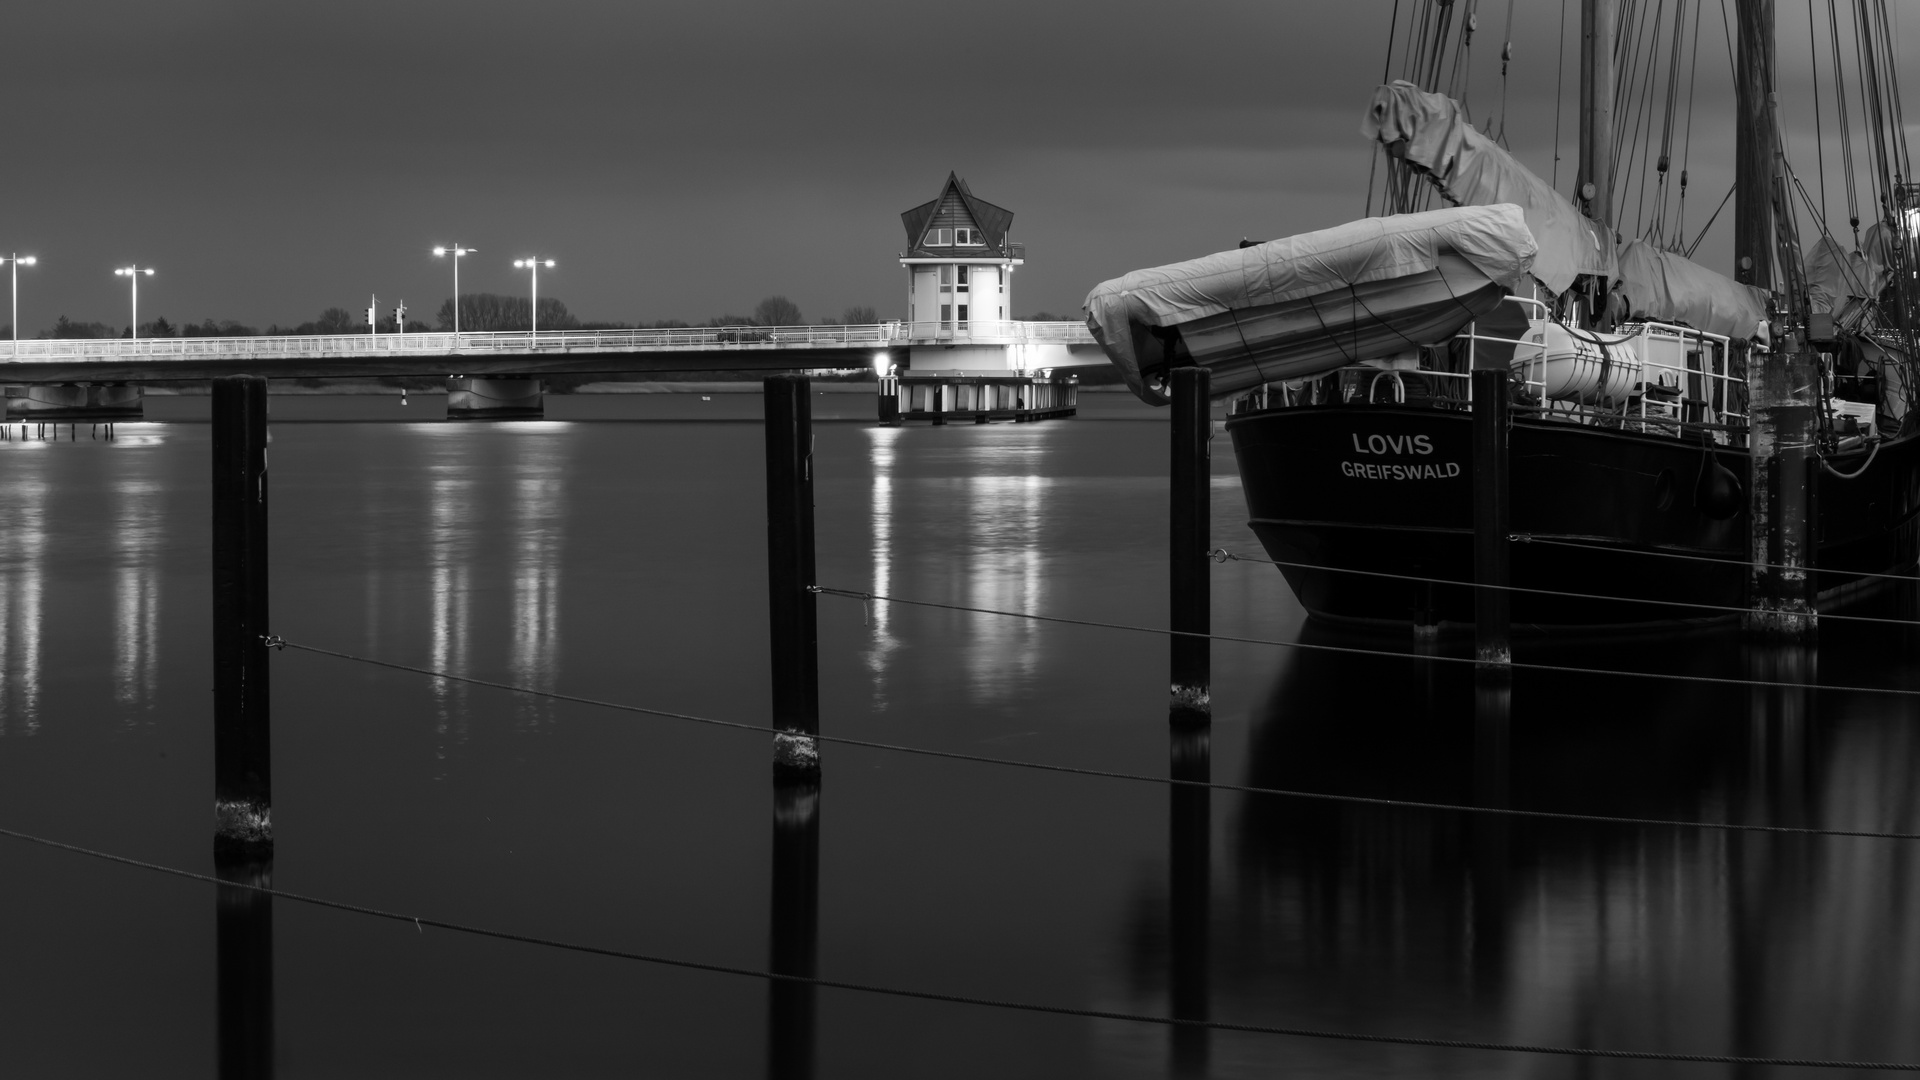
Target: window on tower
column 967, row 237
column 961, row 271
column 939, row 238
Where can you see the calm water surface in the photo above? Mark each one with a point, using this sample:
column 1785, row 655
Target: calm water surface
column 626, row 561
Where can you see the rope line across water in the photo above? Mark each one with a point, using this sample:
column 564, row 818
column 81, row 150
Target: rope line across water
column 1525, row 538
column 421, row 921
column 1107, row 774
column 1354, row 650
column 1222, row 555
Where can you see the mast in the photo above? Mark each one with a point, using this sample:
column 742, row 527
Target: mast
column 1598, row 19
column 1753, row 153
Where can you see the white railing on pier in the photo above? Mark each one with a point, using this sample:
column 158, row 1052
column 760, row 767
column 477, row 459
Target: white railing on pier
column 496, row 343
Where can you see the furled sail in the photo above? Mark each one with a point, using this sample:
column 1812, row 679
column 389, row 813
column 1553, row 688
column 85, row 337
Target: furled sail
column 1672, row 288
column 1312, row 302
column 1431, row 132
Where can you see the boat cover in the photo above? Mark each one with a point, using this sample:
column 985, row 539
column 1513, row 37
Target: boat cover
column 1474, row 171
column 1493, row 238
column 1672, row 288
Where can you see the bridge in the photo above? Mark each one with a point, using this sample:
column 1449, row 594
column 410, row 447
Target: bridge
column 1027, row 345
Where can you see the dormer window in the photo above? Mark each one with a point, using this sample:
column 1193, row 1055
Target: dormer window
column 967, row 238
column 941, row 237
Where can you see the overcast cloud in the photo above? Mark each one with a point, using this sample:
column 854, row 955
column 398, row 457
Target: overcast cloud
column 681, row 160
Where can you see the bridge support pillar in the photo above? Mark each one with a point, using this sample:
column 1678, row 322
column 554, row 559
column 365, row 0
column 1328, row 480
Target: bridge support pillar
column 475, row 398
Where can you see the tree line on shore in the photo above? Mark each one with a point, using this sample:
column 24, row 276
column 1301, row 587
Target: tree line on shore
column 479, row 313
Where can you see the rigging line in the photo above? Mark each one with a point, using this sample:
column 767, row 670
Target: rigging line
column 1626, row 76
column 1698, row 239
column 1527, row 538
column 1686, row 143
column 941, row 997
column 1845, row 265
column 1506, row 58
column 1819, row 142
column 1841, row 121
column 1641, row 103
column 1897, row 123
column 1559, row 91
column 1351, row 650
column 1386, row 76
column 1535, row 591
column 1669, row 104
column 1144, row 778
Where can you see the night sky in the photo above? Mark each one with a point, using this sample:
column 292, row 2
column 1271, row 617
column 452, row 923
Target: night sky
column 683, row 160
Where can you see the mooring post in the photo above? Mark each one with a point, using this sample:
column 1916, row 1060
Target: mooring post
column 1189, row 579
column 242, row 787
column 791, row 602
column 1780, row 503
column 242, row 775
column 1491, row 638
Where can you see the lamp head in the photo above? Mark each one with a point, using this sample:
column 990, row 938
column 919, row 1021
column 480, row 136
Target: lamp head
column 549, row 264
column 439, row 251
column 28, row 260
column 149, row 272
column 122, row 272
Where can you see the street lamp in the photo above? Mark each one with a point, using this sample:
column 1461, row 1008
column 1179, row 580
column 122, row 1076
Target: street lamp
column 534, row 265
column 457, row 251
column 17, row 260
column 134, row 272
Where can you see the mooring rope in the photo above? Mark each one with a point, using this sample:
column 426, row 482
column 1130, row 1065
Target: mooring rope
column 1104, row 774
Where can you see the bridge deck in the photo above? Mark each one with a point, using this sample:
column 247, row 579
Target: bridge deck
column 568, row 352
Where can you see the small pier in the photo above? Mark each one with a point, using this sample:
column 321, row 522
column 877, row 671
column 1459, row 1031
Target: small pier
column 71, row 402
column 976, row 397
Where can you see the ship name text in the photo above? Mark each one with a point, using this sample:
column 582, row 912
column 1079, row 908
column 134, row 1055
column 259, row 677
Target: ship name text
column 1393, row 444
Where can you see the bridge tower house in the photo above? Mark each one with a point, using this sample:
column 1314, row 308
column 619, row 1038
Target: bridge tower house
column 959, row 266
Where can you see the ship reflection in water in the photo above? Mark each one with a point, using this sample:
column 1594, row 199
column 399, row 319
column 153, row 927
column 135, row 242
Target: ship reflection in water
column 1460, row 926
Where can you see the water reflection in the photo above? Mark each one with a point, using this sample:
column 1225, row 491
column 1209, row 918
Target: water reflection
column 23, row 547
column 1005, row 517
column 534, row 659
column 881, row 643
column 137, row 532
column 1466, row 926
column 450, row 557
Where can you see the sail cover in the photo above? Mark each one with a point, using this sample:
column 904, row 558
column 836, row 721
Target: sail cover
column 1493, row 238
column 1472, row 170
column 1671, row 288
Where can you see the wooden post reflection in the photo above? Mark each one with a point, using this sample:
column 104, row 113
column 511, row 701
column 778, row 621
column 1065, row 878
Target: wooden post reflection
column 794, row 928
column 1765, row 871
column 243, row 936
column 1489, row 834
column 1189, row 870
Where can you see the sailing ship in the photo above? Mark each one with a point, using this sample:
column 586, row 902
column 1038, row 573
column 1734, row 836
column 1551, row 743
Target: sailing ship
column 1652, row 397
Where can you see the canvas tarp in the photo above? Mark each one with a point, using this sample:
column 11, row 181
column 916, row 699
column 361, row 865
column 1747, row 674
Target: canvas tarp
column 1672, row 288
column 1493, row 238
column 1473, row 171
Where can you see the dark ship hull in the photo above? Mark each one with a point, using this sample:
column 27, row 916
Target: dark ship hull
column 1367, row 490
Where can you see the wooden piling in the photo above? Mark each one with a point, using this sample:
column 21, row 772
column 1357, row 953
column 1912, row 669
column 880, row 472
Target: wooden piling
column 1491, row 573
column 1780, row 502
column 790, row 577
column 1189, row 578
column 242, row 787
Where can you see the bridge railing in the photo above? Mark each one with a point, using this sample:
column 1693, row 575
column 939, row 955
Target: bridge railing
column 865, row 335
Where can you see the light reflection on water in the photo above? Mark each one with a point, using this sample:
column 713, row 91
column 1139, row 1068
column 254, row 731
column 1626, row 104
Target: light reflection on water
column 623, row 561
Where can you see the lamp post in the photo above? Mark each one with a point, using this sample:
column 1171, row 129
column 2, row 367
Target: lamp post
column 534, row 265
column 17, row 260
column 134, row 272
column 456, row 251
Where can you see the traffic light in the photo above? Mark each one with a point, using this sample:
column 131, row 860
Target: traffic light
column 400, row 317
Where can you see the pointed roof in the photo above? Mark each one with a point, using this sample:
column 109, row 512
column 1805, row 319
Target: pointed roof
column 957, row 203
